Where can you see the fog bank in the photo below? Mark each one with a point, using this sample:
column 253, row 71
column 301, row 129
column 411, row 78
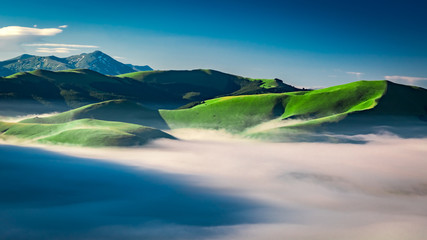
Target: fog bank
column 319, row 191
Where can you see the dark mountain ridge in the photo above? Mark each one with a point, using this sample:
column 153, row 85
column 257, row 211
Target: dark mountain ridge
column 68, row 89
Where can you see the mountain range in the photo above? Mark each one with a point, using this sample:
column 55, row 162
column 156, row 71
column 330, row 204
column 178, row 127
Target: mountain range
column 96, row 61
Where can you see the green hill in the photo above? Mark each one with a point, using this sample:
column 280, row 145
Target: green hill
column 29, row 92
column 84, row 132
column 202, row 84
column 112, row 110
column 401, row 110
column 336, row 109
column 350, row 109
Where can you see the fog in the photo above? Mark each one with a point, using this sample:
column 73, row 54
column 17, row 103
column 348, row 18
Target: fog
column 19, row 118
column 325, row 191
column 44, row 195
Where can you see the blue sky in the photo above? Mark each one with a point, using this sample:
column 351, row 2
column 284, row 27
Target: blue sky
column 305, row 43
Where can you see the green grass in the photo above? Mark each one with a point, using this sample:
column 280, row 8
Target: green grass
column 352, row 108
column 312, row 108
column 112, row 110
column 84, row 132
column 209, row 79
column 232, row 113
column 266, row 83
column 345, row 98
column 160, row 89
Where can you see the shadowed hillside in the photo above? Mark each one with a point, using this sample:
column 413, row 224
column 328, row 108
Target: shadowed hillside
column 43, row 91
column 356, row 108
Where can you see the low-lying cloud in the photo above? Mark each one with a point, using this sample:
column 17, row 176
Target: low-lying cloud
column 22, row 117
column 313, row 190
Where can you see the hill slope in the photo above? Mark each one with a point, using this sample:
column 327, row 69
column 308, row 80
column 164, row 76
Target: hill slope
column 112, row 110
column 165, row 89
column 337, row 109
column 84, row 132
column 356, row 108
column 202, row 84
column 96, row 61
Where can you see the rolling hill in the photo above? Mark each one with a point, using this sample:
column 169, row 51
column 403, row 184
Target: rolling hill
column 355, row 108
column 112, row 110
column 362, row 107
column 83, row 132
column 96, row 61
column 43, row 91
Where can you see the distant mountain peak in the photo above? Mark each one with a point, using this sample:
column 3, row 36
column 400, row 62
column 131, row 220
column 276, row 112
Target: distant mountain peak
column 97, row 61
column 23, row 56
column 97, row 52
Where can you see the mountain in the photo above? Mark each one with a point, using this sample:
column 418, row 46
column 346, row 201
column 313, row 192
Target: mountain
column 42, row 90
column 139, row 68
column 5, row 71
column 96, row 61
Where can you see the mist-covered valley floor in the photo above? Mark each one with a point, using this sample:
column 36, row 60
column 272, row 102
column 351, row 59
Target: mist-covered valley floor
column 214, row 185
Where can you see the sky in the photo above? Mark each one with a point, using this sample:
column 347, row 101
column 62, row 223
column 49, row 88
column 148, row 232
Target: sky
column 305, row 43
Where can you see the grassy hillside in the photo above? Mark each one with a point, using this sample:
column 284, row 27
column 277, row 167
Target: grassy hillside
column 84, row 132
column 354, row 108
column 202, row 84
column 240, row 112
column 165, row 89
column 401, row 110
column 234, row 113
column 112, row 110
column 208, row 82
column 319, row 109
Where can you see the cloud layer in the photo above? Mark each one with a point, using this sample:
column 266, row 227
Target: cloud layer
column 317, row 190
column 357, row 74
column 16, row 31
column 55, row 50
column 14, row 38
column 59, row 45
